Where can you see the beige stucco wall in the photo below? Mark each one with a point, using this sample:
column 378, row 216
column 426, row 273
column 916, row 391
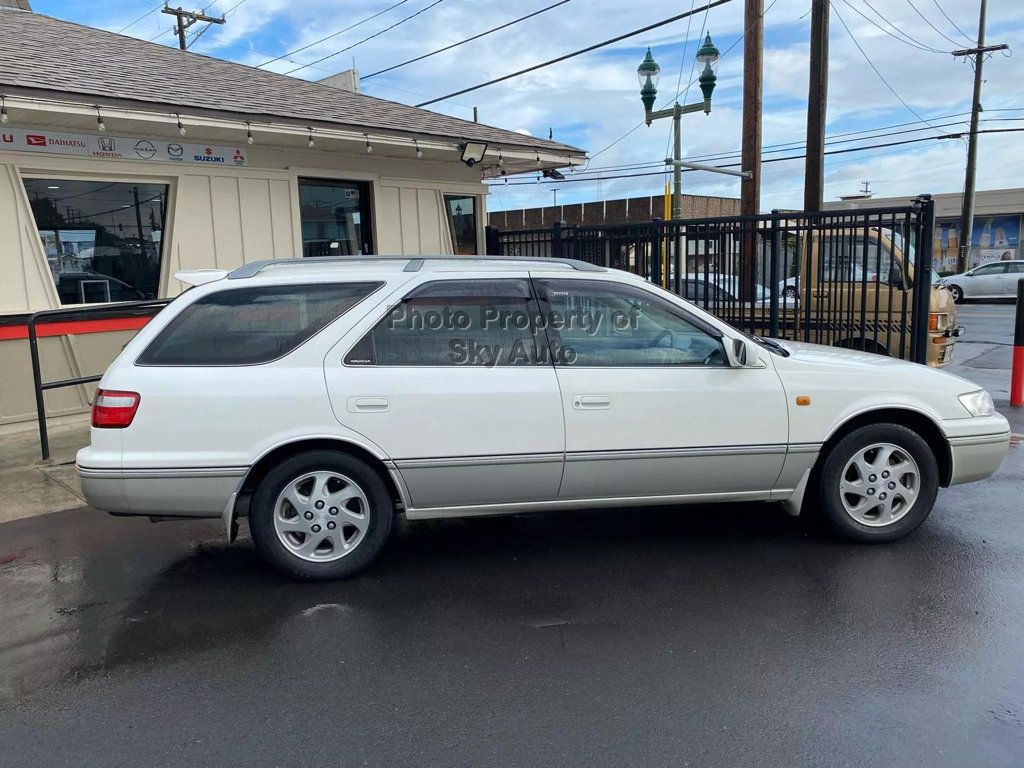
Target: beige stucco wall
column 220, row 218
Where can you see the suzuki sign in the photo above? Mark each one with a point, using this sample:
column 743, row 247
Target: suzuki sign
column 117, row 147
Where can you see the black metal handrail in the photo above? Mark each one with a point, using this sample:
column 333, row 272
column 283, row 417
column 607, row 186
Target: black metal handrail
column 121, row 309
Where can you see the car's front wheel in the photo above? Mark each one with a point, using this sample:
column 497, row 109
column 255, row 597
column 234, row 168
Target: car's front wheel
column 321, row 515
column 878, row 483
column 957, row 293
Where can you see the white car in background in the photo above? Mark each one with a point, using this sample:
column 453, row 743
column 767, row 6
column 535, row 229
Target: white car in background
column 995, row 280
column 321, row 397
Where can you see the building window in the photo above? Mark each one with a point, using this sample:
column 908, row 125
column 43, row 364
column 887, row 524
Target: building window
column 462, row 222
column 335, row 217
column 103, row 240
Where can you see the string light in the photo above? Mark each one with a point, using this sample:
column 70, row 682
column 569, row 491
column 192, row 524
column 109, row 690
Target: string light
column 500, row 161
column 419, row 152
column 3, row 109
column 309, row 142
column 538, row 159
column 181, row 128
column 100, row 125
column 369, row 149
column 248, row 132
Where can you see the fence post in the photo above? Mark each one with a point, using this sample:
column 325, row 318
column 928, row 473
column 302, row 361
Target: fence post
column 774, row 252
column 922, row 280
column 557, row 243
column 491, row 244
column 1017, row 375
column 656, row 272
column 37, row 384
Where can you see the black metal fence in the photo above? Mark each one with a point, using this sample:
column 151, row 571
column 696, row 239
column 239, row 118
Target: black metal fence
column 843, row 278
column 58, row 319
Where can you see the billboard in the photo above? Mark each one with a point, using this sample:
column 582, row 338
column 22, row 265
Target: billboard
column 993, row 238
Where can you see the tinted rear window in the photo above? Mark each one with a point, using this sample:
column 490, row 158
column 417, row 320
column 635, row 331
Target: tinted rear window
column 251, row 325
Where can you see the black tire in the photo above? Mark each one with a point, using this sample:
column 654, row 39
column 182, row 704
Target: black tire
column 790, row 293
column 831, row 507
column 380, row 514
column 957, row 292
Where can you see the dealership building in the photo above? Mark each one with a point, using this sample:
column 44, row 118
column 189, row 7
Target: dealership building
column 123, row 162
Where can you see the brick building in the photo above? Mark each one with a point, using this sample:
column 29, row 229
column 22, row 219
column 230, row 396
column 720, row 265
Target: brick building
column 619, row 211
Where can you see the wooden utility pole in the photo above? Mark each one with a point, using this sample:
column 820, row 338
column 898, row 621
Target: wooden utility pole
column 817, row 99
column 753, row 56
column 967, row 211
column 186, row 19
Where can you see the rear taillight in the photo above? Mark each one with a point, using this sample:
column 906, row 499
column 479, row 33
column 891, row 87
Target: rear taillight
column 114, row 410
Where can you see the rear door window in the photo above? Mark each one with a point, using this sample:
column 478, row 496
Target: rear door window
column 247, row 326
column 483, row 323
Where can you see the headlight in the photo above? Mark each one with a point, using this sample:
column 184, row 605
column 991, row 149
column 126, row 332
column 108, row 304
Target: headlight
column 978, row 403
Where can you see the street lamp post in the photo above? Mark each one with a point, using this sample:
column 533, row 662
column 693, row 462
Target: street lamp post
column 648, row 73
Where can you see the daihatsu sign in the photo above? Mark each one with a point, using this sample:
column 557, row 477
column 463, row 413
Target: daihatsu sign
column 117, row 147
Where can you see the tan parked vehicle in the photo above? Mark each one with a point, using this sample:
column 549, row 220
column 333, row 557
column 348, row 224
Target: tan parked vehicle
column 855, row 289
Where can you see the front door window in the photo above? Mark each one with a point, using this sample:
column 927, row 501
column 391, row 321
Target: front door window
column 335, row 217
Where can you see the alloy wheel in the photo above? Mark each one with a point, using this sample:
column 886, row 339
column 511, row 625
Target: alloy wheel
column 879, row 484
column 321, row 516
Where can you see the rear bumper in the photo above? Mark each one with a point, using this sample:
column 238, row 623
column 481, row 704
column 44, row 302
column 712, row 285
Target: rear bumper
column 976, row 457
column 177, row 492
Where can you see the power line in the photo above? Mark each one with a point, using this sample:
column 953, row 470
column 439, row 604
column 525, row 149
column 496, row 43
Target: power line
column 771, row 159
column 467, row 40
column 576, row 53
column 365, row 39
column 895, row 26
column 902, row 36
column 957, row 28
column 878, row 132
column 332, row 35
column 877, row 72
column 152, row 10
column 928, row 22
column 784, row 147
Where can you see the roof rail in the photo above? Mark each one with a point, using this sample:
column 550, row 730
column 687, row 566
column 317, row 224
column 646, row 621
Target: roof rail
column 414, row 263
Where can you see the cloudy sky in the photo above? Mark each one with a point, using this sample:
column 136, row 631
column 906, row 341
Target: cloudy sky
column 592, row 100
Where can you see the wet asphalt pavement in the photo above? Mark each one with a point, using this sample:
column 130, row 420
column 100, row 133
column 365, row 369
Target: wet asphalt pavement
column 723, row 636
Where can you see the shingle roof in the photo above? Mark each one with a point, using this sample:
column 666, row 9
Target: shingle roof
column 41, row 52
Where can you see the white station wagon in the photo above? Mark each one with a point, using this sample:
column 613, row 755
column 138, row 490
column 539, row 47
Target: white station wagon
column 322, row 397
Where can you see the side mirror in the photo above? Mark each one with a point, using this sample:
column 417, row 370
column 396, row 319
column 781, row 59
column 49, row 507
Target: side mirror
column 744, row 353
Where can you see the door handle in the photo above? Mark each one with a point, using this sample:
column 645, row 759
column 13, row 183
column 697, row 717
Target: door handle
column 591, row 402
column 367, row 404
column 820, row 293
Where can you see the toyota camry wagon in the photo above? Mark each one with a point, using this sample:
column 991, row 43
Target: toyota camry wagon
column 320, row 397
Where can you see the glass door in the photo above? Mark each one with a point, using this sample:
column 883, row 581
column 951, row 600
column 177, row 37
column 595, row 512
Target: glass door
column 335, row 217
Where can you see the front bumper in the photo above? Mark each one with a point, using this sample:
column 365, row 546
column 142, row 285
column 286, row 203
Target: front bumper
column 976, row 447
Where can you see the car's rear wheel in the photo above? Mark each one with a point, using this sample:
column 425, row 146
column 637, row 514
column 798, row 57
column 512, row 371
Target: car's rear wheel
column 321, row 515
column 878, row 483
column 790, row 292
column 957, row 293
